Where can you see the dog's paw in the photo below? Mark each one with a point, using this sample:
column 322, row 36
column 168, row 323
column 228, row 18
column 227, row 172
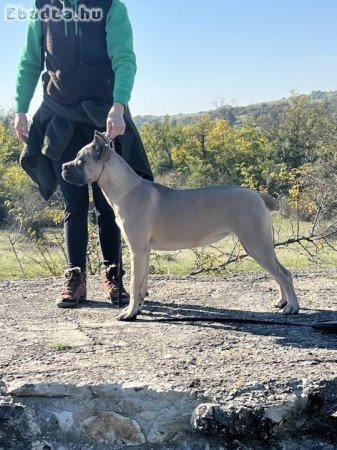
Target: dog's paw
column 290, row 309
column 281, row 304
column 126, row 316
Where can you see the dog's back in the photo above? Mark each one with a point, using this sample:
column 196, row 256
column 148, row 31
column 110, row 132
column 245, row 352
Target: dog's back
column 195, row 217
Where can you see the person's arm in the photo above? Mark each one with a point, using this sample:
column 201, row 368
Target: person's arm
column 28, row 74
column 29, row 67
column 119, row 39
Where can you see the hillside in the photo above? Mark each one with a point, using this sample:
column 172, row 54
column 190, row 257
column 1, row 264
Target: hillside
column 237, row 114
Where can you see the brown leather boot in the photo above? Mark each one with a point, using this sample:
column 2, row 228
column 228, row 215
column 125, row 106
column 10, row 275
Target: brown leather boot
column 111, row 286
column 74, row 290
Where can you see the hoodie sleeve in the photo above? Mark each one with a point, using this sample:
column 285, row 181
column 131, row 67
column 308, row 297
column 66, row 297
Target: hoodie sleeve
column 119, row 38
column 29, row 67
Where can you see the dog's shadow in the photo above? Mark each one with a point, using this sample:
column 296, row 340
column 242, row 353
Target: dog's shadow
column 296, row 336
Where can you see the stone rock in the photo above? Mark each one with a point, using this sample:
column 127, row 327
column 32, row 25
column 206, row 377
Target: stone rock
column 202, row 416
column 50, row 390
column 38, row 390
column 135, row 385
column 65, row 420
column 32, row 423
column 129, row 406
column 3, row 388
column 110, row 427
column 18, row 427
column 278, row 413
column 309, row 445
column 156, row 437
column 212, row 419
column 41, row 445
column 148, row 415
column 106, row 391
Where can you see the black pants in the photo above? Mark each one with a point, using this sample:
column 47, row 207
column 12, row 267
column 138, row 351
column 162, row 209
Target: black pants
column 76, row 199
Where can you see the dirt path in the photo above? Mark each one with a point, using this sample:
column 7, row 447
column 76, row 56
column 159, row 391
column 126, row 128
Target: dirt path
column 86, row 345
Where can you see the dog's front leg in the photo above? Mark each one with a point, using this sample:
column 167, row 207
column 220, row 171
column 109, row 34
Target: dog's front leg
column 139, row 263
column 143, row 287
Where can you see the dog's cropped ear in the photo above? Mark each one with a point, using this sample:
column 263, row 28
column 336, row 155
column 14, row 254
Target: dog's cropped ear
column 100, row 139
column 100, row 146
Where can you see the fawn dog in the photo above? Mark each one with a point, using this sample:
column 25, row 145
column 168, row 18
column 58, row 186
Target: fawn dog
column 153, row 216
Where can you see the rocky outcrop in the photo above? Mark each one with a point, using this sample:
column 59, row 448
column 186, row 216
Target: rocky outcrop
column 272, row 413
column 62, row 416
column 57, row 416
column 110, row 427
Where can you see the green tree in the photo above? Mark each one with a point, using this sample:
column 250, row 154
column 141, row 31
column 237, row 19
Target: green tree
column 216, row 153
column 297, row 134
column 159, row 138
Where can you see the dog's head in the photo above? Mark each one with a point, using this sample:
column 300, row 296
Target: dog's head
column 89, row 162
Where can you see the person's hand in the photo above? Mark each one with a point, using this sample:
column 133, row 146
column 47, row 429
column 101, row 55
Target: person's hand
column 21, row 126
column 115, row 124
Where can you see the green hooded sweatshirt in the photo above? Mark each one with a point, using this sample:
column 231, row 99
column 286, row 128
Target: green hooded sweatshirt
column 120, row 51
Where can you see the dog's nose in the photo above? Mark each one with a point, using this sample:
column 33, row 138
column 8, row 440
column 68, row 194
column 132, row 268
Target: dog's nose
column 67, row 173
column 72, row 174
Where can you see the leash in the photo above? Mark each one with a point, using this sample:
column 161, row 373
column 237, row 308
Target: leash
column 329, row 326
column 120, row 270
column 111, row 146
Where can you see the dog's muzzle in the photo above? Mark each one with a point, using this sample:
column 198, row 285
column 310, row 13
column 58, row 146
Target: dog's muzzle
column 73, row 174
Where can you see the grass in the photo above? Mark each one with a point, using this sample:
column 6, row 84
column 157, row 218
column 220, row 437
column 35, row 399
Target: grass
column 184, row 263
column 59, row 346
column 331, row 277
column 180, row 262
column 31, row 260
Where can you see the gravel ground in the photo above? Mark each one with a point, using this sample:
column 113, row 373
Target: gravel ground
column 206, row 359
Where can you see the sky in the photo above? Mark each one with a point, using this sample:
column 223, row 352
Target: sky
column 194, row 55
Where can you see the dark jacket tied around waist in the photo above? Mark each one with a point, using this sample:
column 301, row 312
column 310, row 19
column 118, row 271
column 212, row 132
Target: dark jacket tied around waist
column 52, row 129
column 78, row 86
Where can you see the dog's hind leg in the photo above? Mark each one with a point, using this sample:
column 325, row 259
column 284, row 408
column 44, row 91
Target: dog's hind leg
column 260, row 247
column 282, row 302
column 139, row 268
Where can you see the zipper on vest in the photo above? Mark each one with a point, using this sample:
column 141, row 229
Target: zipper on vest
column 81, row 44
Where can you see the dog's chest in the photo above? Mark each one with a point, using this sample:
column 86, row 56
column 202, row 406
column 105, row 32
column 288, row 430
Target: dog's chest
column 119, row 220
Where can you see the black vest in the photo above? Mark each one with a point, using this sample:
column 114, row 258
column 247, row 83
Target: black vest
column 77, row 63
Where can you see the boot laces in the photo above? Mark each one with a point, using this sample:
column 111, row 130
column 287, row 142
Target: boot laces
column 112, row 281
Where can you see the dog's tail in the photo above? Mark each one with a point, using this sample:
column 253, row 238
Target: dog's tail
column 269, row 201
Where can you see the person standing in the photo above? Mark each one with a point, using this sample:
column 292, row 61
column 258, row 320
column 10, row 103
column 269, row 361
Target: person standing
column 87, row 51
